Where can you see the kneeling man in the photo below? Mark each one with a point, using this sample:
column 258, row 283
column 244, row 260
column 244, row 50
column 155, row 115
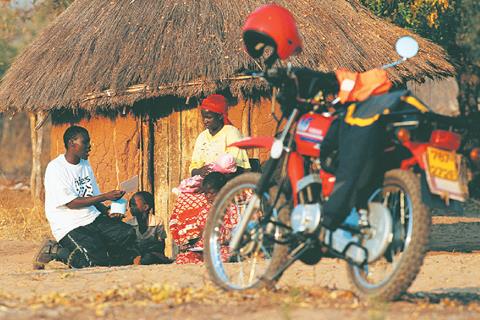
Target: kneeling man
column 78, row 219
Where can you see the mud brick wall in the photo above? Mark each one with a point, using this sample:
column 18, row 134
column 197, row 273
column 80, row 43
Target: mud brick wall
column 115, row 148
column 254, row 119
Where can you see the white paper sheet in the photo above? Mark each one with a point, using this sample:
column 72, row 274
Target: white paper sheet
column 130, row 185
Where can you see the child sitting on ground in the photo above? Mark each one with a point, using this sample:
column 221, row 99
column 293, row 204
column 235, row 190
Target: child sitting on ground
column 150, row 235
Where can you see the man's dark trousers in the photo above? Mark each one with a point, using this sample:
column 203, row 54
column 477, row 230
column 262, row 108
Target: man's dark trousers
column 104, row 242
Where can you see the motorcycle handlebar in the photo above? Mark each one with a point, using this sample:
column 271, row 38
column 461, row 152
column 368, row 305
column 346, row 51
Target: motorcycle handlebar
column 299, row 87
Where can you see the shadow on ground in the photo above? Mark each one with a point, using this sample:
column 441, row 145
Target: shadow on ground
column 461, row 296
column 455, row 237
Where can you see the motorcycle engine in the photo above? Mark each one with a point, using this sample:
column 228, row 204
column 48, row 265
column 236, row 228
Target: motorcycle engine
column 306, row 217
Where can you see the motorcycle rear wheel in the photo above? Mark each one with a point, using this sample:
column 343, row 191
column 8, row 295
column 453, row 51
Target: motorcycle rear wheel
column 259, row 258
column 402, row 261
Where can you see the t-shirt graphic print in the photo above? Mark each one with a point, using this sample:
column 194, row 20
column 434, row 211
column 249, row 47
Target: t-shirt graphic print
column 83, row 187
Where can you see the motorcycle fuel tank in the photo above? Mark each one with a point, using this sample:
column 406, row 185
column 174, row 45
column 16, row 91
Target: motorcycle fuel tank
column 311, row 130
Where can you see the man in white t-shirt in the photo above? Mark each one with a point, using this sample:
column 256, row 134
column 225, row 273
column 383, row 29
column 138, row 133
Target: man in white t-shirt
column 79, row 221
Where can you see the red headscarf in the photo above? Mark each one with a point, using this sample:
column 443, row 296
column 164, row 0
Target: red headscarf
column 218, row 104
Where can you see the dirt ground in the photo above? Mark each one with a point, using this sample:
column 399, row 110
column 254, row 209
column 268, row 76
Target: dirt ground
column 448, row 287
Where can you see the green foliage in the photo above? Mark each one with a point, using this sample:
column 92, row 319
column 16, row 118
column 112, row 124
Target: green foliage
column 19, row 25
column 468, row 34
column 8, row 31
column 453, row 24
column 7, row 53
column 433, row 19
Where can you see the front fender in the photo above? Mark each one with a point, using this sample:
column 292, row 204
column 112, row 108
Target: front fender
column 254, row 142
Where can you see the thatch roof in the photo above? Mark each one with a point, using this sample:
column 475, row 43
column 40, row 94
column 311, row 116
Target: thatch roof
column 106, row 54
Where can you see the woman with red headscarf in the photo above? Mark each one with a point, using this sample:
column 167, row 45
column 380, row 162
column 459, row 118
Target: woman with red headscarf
column 191, row 208
column 214, row 140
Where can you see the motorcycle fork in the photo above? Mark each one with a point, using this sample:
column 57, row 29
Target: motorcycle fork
column 265, row 180
column 296, row 171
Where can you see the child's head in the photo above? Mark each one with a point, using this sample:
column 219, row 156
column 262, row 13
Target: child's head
column 212, row 183
column 141, row 202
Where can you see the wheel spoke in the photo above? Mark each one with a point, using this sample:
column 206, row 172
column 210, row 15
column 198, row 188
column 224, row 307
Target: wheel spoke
column 253, row 264
column 240, row 273
column 249, row 263
column 391, row 274
column 377, row 273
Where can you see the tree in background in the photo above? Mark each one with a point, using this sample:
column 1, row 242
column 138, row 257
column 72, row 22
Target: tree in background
column 7, row 35
column 453, row 24
column 20, row 22
column 7, row 53
column 468, row 42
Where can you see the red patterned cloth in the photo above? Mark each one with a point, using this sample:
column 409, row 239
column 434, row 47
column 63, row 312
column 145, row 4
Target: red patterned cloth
column 188, row 222
column 197, row 257
column 188, row 217
column 189, row 257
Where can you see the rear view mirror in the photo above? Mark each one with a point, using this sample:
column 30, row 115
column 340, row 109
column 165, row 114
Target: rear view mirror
column 406, row 47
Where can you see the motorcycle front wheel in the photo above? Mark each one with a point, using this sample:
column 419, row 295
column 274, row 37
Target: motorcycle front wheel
column 259, row 256
column 388, row 277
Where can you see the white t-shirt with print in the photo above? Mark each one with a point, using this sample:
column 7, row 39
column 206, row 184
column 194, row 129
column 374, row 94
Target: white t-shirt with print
column 63, row 183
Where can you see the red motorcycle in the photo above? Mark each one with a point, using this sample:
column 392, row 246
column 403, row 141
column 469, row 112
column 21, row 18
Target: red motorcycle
column 280, row 210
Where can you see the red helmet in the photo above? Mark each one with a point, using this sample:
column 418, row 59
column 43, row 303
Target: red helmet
column 271, row 25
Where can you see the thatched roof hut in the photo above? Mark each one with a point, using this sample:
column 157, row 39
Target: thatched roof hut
column 104, row 56
column 100, row 54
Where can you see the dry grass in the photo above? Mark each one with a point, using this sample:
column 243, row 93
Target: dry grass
column 19, row 219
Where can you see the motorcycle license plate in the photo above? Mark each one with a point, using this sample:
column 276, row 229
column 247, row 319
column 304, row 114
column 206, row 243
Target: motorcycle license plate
column 446, row 176
column 442, row 164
